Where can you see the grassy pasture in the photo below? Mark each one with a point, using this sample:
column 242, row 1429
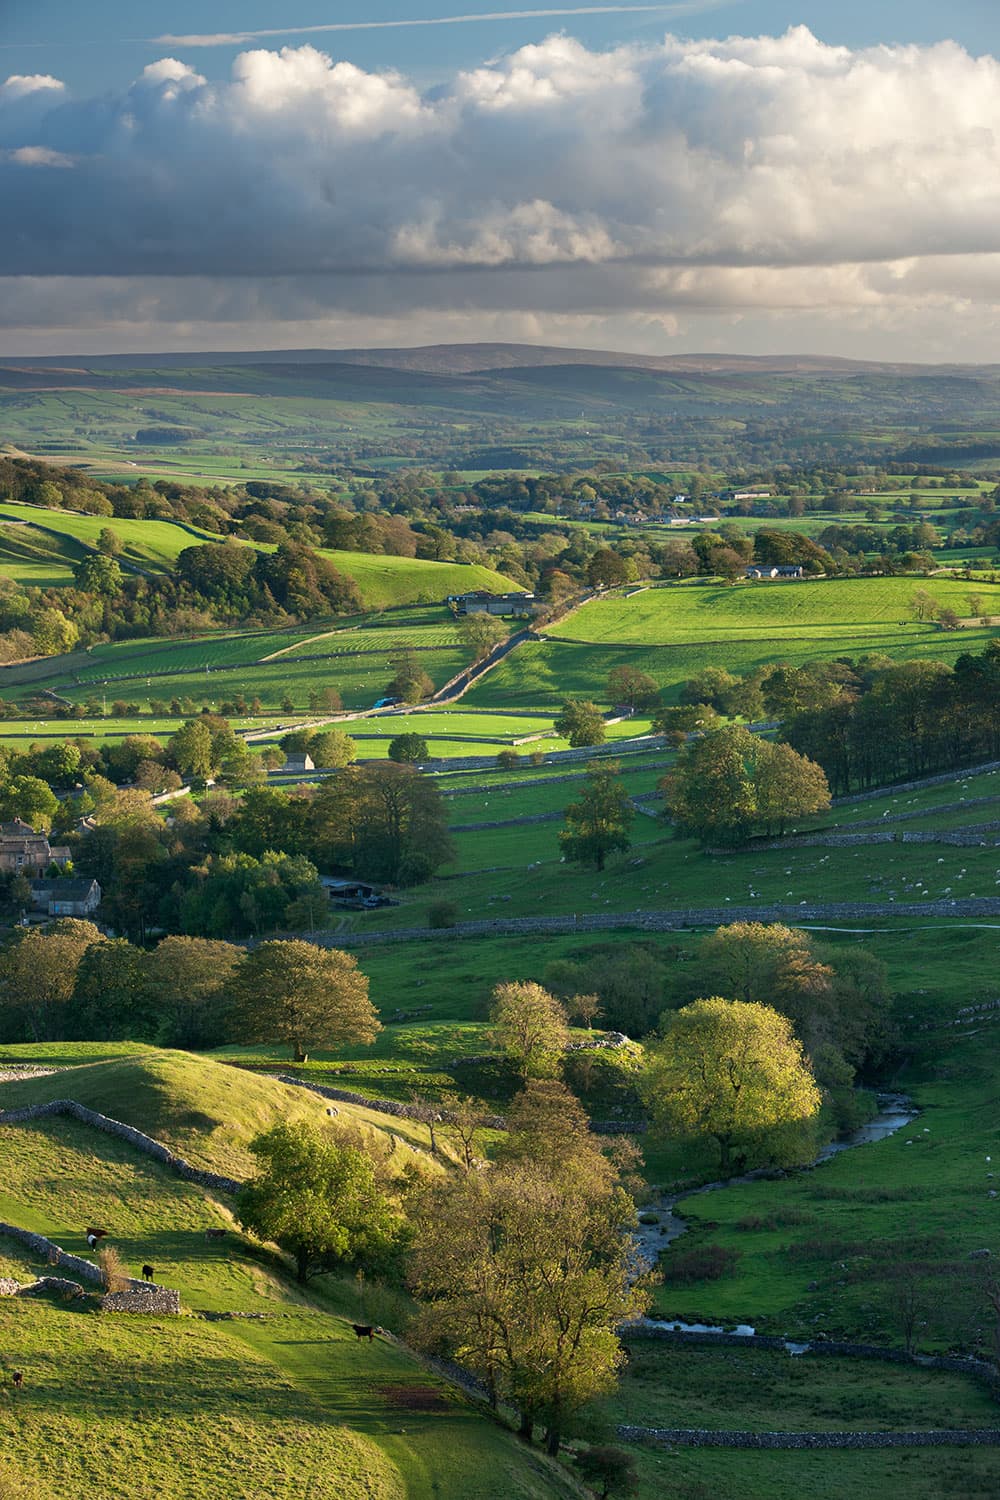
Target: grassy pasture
column 385, row 581
column 280, row 1407
column 693, row 613
column 706, row 1388
column 755, row 1390
column 920, row 1474
column 360, row 678
column 541, row 674
column 663, row 872
column 204, row 1111
column 154, row 544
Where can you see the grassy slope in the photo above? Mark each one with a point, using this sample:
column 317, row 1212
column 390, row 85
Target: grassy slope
column 154, row 544
column 542, row 673
column 288, row 1407
column 386, row 581
column 383, row 581
column 206, row 1112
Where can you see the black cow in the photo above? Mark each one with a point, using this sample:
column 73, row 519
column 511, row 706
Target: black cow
column 363, row 1331
column 147, row 1273
column 17, row 1380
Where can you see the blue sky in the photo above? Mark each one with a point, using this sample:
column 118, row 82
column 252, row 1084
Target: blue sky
column 632, row 178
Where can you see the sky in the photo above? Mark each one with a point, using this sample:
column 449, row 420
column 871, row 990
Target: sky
column 753, row 176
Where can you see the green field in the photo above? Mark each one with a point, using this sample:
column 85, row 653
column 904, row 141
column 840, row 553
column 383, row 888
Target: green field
column 154, row 544
column 385, row 581
column 543, row 673
column 775, row 612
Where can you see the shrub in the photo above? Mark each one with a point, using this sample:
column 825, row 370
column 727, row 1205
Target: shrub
column 611, row 1468
column 408, row 748
column 703, row 1263
column 442, row 914
column 116, row 1278
column 508, row 760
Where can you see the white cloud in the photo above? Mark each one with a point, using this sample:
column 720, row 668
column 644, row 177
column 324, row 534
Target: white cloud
column 20, row 85
column 767, row 177
column 39, row 156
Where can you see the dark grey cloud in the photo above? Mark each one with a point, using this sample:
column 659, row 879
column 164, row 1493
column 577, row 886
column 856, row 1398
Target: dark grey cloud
column 713, row 176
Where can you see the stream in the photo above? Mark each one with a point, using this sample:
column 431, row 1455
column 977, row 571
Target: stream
column 894, row 1112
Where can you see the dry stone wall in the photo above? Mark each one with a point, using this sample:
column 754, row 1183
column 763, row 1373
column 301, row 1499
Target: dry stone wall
column 136, row 1138
column 382, row 1106
column 669, row 921
column 143, row 1299
column 682, row 1437
column 138, row 1296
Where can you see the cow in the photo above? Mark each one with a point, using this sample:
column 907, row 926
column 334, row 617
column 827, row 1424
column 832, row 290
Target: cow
column 95, row 1234
column 147, row 1273
column 93, row 1241
column 363, row 1331
column 17, row 1380
column 215, row 1234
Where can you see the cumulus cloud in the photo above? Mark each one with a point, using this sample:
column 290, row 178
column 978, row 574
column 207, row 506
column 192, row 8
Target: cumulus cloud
column 717, row 178
column 20, row 85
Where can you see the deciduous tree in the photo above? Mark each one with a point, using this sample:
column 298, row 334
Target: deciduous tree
column 410, row 748
column 530, row 1026
column 633, row 688
column 526, row 1272
column 598, row 823
column 186, row 979
column 302, row 996
column 733, row 1072
column 37, row 977
column 581, row 722
column 318, row 1199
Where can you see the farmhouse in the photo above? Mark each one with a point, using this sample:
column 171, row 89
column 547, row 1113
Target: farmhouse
column 22, row 849
column 764, row 571
column 482, row 603
column 66, row 898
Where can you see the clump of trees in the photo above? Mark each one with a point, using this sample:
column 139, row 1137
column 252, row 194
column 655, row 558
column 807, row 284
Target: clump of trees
column 905, row 720
column 837, row 999
column 524, row 1272
column 213, row 870
column 323, row 1200
column 70, row 982
column 732, row 784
